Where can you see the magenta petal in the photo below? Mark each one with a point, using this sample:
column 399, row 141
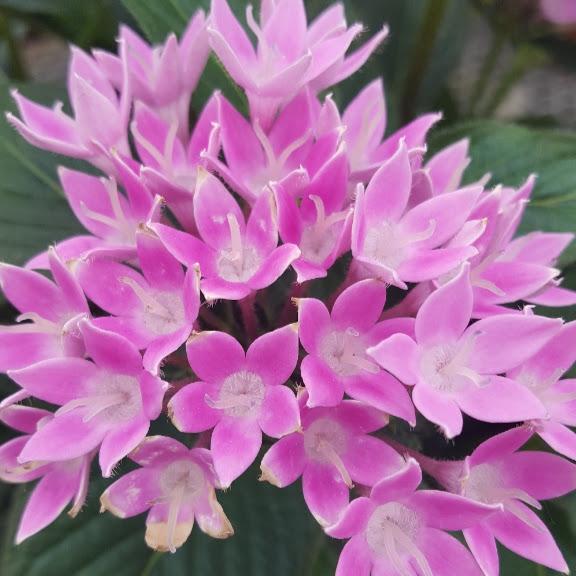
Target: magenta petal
column 540, row 474
column 323, row 386
column 384, row 392
column 387, row 194
column 501, row 446
column 65, row 437
column 119, row 442
column 313, row 323
column 274, row 265
column 189, row 410
column 446, row 555
column 23, row 418
column 431, row 264
column 279, row 414
column 559, row 437
column 433, row 324
column 325, row 492
column 111, row 351
column 235, row 445
column 360, row 305
column 503, row 342
column 398, row 354
column 370, row 459
column 48, row 500
column 448, row 511
column 274, row 355
column 21, row 349
column 353, row 520
column 218, row 289
column 10, row 468
column 57, row 381
column 154, row 450
column 160, row 268
column 533, row 542
column 285, row 460
column 214, row 355
column 355, row 558
column 439, row 409
column 133, row 493
column 483, row 546
column 399, row 485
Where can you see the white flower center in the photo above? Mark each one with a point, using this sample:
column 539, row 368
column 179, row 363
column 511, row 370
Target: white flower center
column 392, row 532
column 238, row 262
column 241, row 395
column 345, row 353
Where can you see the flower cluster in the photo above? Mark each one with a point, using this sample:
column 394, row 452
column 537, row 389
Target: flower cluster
column 191, row 296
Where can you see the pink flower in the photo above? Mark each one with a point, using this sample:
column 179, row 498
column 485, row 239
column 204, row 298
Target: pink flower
column 240, row 395
column 255, row 158
column 506, row 270
column 336, row 343
column 497, row 473
column 235, row 257
column 60, row 482
column 455, row 368
column 155, row 310
column 100, row 116
column 49, row 314
column 561, row 12
column 401, row 530
column 176, row 484
column 316, row 218
column 331, row 452
column 289, row 54
column 170, row 165
column 399, row 245
column 365, row 123
column 106, row 403
column 540, row 374
column 111, row 217
column 164, row 76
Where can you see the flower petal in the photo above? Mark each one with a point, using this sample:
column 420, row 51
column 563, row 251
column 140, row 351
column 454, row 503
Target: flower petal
column 313, row 323
column 324, row 388
column 189, row 411
column 439, row 409
column 120, row 441
column 398, row 354
column 284, row 462
column 360, row 305
column 132, row 493
column 280, row 414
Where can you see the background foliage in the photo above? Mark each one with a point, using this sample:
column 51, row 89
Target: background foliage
column 274, row 533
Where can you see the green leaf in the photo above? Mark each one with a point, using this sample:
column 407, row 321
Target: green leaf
column 511, row 153
column 33, row 211
column 274, row 534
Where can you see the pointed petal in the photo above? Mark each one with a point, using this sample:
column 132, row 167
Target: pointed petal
column 501, row 446
column 370, row 459
column 324, row 387
column 49, row 498
column 515, row 402
column 355, row 558
column 132, row 494
column 439, row 409
column 235, row 445
column 559, row 437
column 383, row 392
column 65, row 437
column 211, row 517
column 483, row 546
column 387, row 194
column 399, row 355
column 111, row 351
column 431, row 264
column 505, row 341
column 535, row 543
column 58, row 380
column 274, row 355
column 274, row 265
column 325, row 492
column 399, row 485
column 313, row 323
column 280, row 414
column 120, row 441
column 189, row 411
column 160, row 268
column 284, row 461
column 360, row 305
column 214, row 355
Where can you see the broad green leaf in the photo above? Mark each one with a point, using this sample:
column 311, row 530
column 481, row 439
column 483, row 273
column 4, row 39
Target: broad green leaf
column 33, row 211
column 511, row 153
column 275, row 534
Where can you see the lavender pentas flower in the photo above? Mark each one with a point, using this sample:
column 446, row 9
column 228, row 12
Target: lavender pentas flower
column 203, row 297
